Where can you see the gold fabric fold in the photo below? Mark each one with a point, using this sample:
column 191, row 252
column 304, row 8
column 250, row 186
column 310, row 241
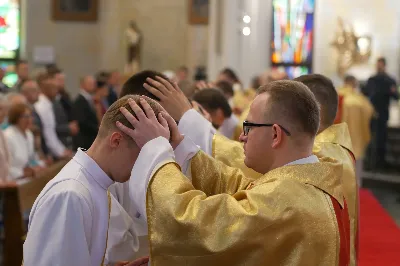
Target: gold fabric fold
column 284, row 218
column 231, row 153
column 357, row 113
column 335, row 142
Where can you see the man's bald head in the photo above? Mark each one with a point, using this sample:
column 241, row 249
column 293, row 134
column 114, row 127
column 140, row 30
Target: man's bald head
column 113, row 114
column 326, row 94
column 292, row 104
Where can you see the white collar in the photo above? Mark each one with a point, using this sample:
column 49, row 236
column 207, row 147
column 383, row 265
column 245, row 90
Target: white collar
column 93, row 169
column 307, row 160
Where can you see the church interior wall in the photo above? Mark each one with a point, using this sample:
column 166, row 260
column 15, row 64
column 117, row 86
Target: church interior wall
column 168, row 39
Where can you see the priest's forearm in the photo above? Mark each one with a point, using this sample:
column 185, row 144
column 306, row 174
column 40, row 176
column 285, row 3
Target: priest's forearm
column 214, row 177
column 185, row 222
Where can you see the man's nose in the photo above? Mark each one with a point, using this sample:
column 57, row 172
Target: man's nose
column 242, row 137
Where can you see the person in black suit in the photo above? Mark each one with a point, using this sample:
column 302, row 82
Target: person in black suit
column 380, row 89
column 63, row 97
column 114, row 81
column 84, row 112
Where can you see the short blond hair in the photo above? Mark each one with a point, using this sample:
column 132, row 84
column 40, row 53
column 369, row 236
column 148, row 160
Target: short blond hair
column 292, row 103
column 113, row 114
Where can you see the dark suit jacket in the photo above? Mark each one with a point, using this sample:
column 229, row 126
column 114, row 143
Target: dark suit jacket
column 66, row 103
column 62, row 124
column 84, row 113
column 38, row 123
column 379, row 90
column 112, row 96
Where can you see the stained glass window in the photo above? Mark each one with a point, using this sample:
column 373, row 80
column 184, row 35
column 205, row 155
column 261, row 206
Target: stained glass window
column 293, row 29
column 9, row 29
column 10, row 77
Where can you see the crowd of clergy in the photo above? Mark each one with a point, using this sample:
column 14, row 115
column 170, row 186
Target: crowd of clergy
column 165, row 170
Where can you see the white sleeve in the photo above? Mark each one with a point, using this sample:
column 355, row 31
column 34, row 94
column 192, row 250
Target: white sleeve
column 151, row 157
column 184, row 153
column 199, row 129
column 59, row 232
column 54, row 144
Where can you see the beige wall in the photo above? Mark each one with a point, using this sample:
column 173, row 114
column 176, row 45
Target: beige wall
column 76, row 44
column 84, row 48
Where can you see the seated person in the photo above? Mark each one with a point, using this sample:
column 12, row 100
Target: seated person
column 24, row 161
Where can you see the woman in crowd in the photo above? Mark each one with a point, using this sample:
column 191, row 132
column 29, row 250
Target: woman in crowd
column 24, row 161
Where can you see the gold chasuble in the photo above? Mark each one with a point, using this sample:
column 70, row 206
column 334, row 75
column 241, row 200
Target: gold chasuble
column 335, row 142
column 357, row 112
column 231, row 153
column 293, row 215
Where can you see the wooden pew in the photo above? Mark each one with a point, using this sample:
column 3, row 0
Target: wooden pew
column 18, row 197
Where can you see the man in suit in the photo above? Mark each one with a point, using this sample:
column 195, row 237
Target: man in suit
column 380, row 88
column 56, row 129
column 30, row 90
column 85, row 114
column 114, row 80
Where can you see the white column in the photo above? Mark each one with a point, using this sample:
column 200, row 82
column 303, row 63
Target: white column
column 248, row 55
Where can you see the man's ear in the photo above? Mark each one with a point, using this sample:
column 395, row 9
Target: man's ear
column 115, row 139
column 277, row 133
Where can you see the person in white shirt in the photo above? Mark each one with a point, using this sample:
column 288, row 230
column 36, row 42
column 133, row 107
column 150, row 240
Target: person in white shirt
column 218, row 107
column 24, row 161
column 44, row 108
column 69, row 220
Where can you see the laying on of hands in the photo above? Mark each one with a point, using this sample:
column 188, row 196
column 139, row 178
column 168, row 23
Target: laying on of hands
column 147, row 126
column 171, row 96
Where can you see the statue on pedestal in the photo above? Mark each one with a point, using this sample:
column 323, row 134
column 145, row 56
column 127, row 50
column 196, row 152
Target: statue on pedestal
column 134, row 39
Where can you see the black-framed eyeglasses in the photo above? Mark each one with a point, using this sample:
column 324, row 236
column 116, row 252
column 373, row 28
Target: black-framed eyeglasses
column 248, row 125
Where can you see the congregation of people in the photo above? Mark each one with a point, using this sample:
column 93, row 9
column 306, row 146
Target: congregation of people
column 207, row 171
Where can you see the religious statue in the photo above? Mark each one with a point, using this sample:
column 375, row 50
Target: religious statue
column 352, row 49
column 134, row 39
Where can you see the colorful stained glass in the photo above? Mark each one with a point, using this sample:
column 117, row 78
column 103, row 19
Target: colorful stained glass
column 10, row 77
column 9, row 28
column 293, row 26
column 294, row 71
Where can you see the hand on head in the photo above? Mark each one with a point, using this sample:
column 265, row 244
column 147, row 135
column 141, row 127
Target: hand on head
column 147, row 126
column 171, row 96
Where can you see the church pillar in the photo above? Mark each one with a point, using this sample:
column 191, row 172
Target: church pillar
column 229, row 47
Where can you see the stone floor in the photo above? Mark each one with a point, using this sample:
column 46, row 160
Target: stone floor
column 387, row 192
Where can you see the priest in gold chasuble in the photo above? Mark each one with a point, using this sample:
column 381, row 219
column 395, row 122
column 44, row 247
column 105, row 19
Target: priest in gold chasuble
column 295, row 214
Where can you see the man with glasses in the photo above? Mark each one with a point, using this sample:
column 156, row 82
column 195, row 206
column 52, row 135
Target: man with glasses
column 294, row 214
